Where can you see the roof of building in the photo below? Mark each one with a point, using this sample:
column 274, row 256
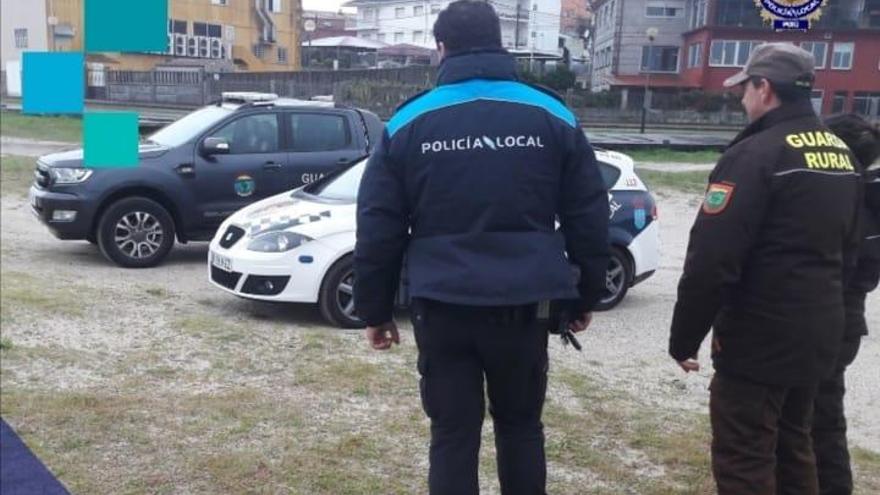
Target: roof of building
column 345, row 42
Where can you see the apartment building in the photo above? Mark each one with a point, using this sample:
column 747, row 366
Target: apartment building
column 253, row 35
column 699, row 43
column 528, row 27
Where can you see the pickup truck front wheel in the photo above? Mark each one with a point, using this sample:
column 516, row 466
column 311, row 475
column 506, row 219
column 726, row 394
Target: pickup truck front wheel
column 136, row 232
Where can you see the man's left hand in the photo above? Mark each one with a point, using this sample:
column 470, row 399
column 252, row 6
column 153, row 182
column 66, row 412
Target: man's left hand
column 581, row 324
column 689, row 365
column 382, row 337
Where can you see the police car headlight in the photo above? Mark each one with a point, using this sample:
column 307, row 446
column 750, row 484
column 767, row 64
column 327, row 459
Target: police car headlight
column 277, row 242
column 70, row 175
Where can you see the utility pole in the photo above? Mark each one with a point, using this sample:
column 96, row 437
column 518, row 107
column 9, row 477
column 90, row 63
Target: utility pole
column 516, row 27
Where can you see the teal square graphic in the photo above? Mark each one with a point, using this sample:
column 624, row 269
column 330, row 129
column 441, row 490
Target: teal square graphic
column 53, row 82
column 110, row 139
column 126, row 26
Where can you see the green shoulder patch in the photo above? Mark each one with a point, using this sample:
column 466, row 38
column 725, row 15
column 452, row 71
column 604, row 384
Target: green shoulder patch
column 717, row 198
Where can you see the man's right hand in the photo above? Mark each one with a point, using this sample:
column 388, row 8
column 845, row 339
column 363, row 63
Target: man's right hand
column 383, row 336
column 581, row 324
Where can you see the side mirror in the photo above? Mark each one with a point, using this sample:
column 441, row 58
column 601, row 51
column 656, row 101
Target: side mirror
column 215, row 146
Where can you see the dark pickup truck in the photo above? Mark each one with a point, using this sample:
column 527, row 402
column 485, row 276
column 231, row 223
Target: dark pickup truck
column 195, row 172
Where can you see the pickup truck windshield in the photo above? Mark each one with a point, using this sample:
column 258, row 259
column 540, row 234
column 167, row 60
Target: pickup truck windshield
column 188, row 127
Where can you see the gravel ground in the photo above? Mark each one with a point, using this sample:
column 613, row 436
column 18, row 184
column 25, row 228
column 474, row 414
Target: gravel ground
column 627, row 346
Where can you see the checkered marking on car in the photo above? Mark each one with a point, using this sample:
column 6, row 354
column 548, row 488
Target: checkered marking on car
column 282, row 222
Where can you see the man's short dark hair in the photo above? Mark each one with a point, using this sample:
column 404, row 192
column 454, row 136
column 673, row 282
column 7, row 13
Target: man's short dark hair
column 467, row 25
column 787, row 93
column 861, row 137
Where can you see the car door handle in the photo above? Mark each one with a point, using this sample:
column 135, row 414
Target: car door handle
column 343, row 161
column 271, row 166
column 186, row 169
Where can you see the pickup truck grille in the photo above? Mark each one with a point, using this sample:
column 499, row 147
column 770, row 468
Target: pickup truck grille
column 41, row 176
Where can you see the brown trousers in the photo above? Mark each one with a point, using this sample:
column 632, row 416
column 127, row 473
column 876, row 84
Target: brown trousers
column 761, row 442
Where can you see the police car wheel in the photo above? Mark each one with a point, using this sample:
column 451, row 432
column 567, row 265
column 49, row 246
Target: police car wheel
column 336, row 300
column 618, row 278
column 136, row 233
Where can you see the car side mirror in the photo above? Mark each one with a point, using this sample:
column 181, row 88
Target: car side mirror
column 215, row 146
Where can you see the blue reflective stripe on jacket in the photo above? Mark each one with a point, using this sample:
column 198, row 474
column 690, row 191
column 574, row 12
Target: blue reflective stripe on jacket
column 479, row 90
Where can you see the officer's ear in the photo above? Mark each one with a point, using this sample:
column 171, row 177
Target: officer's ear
column 441, row 49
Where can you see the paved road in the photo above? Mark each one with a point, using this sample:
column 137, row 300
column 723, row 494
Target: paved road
column 31, row 147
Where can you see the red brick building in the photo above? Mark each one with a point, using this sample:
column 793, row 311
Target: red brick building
column 699, row 43
column 847, row 62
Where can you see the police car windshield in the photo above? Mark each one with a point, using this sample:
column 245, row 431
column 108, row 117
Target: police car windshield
column 190, row 126
column 343, row 187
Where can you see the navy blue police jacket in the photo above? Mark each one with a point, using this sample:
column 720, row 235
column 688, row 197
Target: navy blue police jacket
column 467, row 185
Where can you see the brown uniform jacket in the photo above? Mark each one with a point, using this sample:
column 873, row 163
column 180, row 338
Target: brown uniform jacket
column 767, row 253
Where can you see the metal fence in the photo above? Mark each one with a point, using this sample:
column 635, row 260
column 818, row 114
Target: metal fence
column 196, row 87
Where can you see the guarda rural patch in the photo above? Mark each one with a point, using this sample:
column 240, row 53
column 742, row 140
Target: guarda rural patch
column 717, row 198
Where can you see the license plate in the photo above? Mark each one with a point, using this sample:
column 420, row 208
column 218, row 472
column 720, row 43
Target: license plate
column 221, row 262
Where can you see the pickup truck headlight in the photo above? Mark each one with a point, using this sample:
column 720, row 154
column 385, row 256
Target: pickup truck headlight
column 70, row 175
column 277, row 242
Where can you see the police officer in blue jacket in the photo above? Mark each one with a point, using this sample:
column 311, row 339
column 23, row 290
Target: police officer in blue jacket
column 468, row 182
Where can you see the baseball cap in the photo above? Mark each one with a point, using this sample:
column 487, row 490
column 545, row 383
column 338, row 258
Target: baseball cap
column 781, row 63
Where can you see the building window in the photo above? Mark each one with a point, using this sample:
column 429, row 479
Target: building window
column 698, row 14
column 178, row 27
column 209, row 30
column 816, row 97
column 398, row 37
column 21, row 38
column 282, row 55
column 725, row 53
column 842, row 56
column 867, row 104
column 659, row 59
column 275, row 6
column 381, row 37
column 400, row 12
column 259, row 50
column 220, row 2
column 818, row 49
column 418, row 36
column 435, row 8
column 368, row 14
column 695, row 55
column 838, row 102
column 662, row 9
column 419, row 10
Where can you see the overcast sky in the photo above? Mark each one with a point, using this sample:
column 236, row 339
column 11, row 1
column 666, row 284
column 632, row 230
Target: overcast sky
column 330, row 5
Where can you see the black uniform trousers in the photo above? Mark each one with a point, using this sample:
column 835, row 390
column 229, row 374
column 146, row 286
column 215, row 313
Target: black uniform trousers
column 458, row 347
column 761, row 441
column 829, row 427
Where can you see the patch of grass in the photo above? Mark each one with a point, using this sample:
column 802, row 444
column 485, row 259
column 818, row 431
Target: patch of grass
column 689, row 182
column 867, row 470
column 159, row 292
column 667, row 155
column 16, row 174
column 19, row 291
column 5, row 344
column 66, row 129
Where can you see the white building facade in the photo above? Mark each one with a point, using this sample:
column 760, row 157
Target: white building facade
column 527, row 26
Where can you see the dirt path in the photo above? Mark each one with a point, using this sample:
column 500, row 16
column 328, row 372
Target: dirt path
column 629, row 342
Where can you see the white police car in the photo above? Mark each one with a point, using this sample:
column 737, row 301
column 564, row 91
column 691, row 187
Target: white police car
column 297, row 246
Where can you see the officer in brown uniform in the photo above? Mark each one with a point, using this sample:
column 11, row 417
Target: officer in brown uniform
column 764, row 269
